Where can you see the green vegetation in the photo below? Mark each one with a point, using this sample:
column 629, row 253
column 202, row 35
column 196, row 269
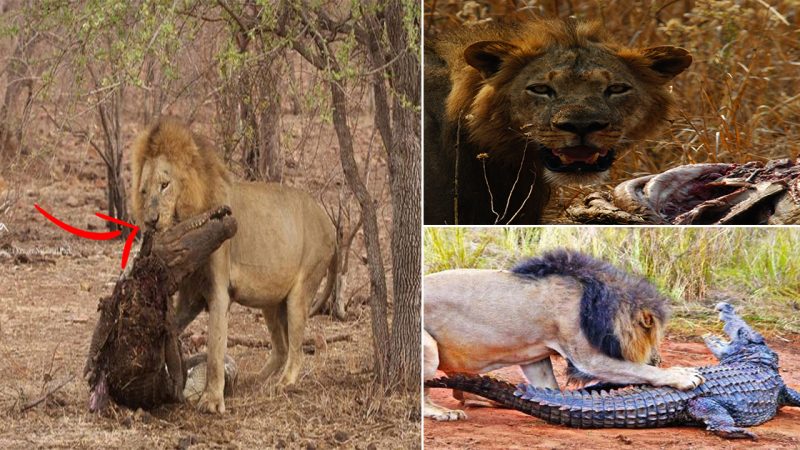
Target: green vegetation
column 754, row 268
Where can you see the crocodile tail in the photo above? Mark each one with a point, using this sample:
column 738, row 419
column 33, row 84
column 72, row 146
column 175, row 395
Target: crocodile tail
column 487, row 387
column 627, row 408
column 790, row 397
column 547, row 404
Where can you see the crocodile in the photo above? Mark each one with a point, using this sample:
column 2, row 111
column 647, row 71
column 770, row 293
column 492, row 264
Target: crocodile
column 135, row 356
column 743, row 390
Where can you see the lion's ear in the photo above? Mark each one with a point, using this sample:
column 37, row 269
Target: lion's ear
column 668, row 61
column 646, row 319
column 488, row 56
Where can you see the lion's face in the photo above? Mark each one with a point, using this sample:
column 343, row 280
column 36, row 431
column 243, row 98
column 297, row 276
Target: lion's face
column 158, row 190
column 175, row 176
column 576, row 106
column 640, row 333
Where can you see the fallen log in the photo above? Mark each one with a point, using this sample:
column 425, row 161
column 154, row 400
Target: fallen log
column 309, row 344
column 135, row 357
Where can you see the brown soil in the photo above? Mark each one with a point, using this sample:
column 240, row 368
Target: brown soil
column 488, row 427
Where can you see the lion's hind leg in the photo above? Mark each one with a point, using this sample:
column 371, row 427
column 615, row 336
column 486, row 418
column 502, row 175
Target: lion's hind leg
column 540, row 374
column 298, row 303
column 430, row 365
column 275, row 316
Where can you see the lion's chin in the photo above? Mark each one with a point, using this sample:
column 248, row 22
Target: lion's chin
column 579, row 159
column 574, row 178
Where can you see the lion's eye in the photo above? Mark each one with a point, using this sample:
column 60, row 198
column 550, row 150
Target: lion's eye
column 164, row 185
column 541, row 89
column 617, row 89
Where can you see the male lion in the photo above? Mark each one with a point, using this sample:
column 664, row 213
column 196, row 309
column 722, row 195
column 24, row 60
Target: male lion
column 511, row 108
column 284, row 245
column 606, row 323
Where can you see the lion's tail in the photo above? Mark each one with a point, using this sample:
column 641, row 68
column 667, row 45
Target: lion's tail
column 321, row 302
column 330, row 281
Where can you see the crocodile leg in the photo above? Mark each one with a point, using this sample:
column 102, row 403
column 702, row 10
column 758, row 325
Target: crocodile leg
column 717, row 346
column 716, row 418
column 790, row 397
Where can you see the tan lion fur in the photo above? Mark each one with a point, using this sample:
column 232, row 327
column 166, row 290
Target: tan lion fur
column 477, row 321
column 474, row 107
column 284, row 246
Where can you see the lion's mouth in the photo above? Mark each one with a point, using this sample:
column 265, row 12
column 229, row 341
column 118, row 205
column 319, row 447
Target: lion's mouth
column 580, row 158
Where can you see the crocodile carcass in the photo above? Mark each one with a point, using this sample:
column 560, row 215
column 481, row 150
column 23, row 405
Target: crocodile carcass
column 701, row 194
column 134, row 356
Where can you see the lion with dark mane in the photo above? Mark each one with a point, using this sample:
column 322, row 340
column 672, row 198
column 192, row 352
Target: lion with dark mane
column 513, row 108
column 284, row 245
column 606, row 323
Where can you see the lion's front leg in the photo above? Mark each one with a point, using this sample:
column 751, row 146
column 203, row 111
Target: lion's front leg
column 430, row 364
column 218, row 302
column 617, row 371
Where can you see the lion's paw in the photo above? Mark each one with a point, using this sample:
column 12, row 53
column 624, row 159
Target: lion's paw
column 211, row 402
column 444, row 415
column 683, row 378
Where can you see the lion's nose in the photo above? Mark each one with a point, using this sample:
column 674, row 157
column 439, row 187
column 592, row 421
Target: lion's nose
column 151, row 221
column 580, row 127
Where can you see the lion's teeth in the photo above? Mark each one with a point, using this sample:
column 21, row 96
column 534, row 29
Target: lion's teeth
column 593, row 159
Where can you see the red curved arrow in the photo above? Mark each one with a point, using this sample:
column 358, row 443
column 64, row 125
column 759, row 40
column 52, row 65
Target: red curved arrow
column 126, row 250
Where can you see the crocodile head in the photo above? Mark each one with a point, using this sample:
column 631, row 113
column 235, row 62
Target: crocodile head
column 746, row 345
column 185, row 247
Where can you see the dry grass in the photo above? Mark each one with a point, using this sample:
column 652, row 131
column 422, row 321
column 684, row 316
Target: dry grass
column 740, row 99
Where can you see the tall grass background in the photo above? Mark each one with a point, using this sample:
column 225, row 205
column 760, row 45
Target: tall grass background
column 756, row 269
column 739, row 101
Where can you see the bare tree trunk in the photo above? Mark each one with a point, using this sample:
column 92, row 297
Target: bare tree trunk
column 270, row 164
column 271, row 161
column 259, row 106
column 110, row 112
column 378, row 298
column 155, row 96
column 18, row 79
column 400, row 132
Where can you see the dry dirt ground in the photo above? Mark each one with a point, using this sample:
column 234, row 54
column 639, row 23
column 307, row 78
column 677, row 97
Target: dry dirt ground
column 50, row 284
column 507, row 429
